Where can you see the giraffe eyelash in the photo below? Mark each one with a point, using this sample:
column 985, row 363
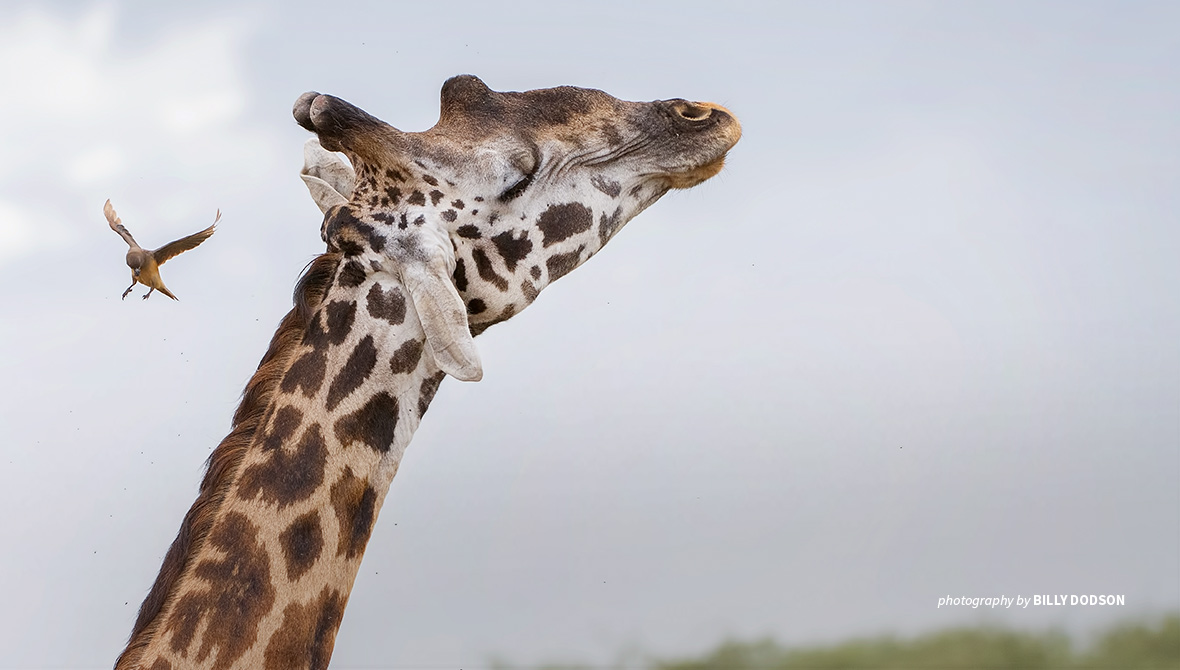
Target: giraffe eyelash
column 516, row 189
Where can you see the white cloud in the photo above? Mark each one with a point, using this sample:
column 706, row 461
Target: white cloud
column 96, row 164
column 158, row 118
column 16, row 235
column 23, row 231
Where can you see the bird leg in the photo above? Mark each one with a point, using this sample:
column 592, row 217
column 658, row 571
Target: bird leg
column 128, row 290
column 145, row 295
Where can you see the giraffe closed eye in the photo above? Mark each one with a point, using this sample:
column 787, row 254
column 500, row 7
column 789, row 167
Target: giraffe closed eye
column 516, row 189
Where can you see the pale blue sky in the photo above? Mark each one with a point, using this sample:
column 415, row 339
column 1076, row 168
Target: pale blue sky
column 919, row 338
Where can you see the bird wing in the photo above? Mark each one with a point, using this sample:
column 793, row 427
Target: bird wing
column 117, row 225
column 185, row 243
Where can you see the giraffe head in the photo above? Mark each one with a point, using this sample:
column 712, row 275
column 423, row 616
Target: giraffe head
column 505, row 194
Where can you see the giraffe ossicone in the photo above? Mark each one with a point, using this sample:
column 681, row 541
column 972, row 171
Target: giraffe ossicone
column 431, row 238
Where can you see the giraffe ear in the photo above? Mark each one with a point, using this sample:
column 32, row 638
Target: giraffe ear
column 443, row 316
column 329, row 179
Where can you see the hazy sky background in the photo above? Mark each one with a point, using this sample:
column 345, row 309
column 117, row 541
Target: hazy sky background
column 920, row 338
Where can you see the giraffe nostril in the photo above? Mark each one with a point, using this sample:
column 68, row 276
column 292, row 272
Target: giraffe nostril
column 693, row 112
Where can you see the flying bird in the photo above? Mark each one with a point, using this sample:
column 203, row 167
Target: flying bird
column 145, row 264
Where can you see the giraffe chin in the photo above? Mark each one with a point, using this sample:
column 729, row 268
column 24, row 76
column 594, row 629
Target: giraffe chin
column 694, row 177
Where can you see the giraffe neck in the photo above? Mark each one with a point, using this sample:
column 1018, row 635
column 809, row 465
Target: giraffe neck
column 267, row 585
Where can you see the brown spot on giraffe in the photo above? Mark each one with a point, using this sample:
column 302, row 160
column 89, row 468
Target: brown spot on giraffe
column 406, row 357
column 388, row 305
column 560, row 264
column 513, row 249
column 469, row 232
column 289, row 475
column 302, row 543
column 607, row 186
column 331, row 325
column 417, row 198
column 372, row 425
column 427, row 390
column 608, row 225
column 486, row 272
column 529, row 290
column 354, row 373
column 340, row 316
column 355, row 502
column 561, row 222
column 307, row 373
column 307, row 634
column 460, row 275
column 282, row 427
column 352, row 274
column 238, row 593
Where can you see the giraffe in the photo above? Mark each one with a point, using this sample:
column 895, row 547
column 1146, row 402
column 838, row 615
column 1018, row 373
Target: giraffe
column 431, row 238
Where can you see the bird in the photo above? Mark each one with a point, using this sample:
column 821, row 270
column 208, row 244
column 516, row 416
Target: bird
column 145, row 264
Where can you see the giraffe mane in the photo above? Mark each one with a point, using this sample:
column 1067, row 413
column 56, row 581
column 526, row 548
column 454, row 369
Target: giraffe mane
column 223, row 464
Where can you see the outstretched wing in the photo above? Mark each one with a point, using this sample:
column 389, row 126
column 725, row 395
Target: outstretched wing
column 117, row 225
column 185, row 243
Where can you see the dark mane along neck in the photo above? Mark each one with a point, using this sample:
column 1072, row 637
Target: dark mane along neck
column 224, row 462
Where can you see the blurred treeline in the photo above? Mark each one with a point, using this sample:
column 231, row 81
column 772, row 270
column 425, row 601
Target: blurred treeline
column 1132, row 646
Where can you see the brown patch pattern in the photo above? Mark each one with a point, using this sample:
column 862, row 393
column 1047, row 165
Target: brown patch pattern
column 390, row 306
column 307, row 635
column 406, row 357
column 289, row 475
column 302, row 543
column 351, row 275
column 356, row 370
column 372, row 425
column 307, row 372
column 607, row 186
column 560, row 264
column 340, row 318
column 561, row 222
column 513, row 249
column 529, row 290
column 460, row 275
column 427, row 390
column 355, row 503
column 608, row 225
column 282, row 428
column 486, row 272
column 231, row 612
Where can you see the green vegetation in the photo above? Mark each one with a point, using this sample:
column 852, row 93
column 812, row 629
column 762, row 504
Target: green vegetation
column 1153, row 645
column 1126, row 647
